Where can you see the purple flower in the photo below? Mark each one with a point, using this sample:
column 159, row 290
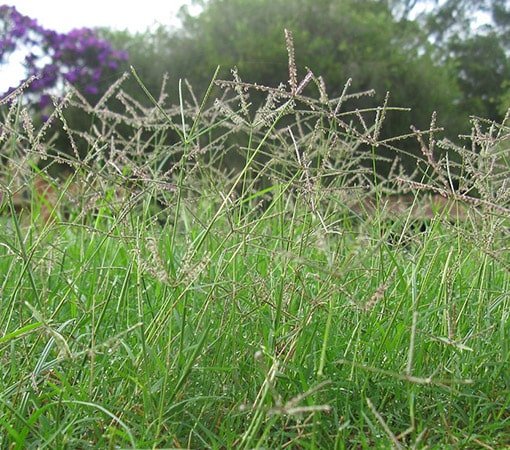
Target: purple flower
column 96, row 75
column 122, row 55
column 79, row 57
column 92, row 90
column 44, row 101
column 73, row 75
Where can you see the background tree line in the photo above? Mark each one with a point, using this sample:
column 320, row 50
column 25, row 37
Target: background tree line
column 430, row 55
column 439, row 59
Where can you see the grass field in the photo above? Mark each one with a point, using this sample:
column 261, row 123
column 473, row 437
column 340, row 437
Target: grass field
column 208, row 308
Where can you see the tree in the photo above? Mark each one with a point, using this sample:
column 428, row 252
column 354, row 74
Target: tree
column 504, row 102
column 482, row 67
column 150, row 53
column 79, row 57
column 338, row 40
column 478, row 53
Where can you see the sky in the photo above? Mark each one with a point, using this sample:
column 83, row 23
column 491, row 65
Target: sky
column 64, row 15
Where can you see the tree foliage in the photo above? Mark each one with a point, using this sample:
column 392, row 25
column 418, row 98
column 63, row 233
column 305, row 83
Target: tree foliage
column 436, row 60
column 482, row 69
column 361, row 40
column 474, row 36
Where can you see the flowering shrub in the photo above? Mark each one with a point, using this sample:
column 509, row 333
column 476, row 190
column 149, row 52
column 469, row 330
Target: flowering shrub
column 78, row 57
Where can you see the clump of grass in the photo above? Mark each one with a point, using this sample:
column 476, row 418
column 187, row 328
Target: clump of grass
column 175, row 299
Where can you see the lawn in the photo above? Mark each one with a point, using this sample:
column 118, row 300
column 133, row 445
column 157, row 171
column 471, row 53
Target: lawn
column 212, row 306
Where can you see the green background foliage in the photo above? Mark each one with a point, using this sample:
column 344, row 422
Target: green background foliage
column 439, row 60
column 433, row 62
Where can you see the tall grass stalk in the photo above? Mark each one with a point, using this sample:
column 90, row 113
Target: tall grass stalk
column 242, row 276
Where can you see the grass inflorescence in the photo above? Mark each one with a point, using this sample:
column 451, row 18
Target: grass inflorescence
column 216, row 275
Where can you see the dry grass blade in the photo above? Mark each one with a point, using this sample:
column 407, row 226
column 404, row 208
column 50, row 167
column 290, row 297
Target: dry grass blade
column 289, row 43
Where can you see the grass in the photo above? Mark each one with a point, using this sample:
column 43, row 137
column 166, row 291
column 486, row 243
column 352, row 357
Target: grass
column 216, row 310
column 271, row 335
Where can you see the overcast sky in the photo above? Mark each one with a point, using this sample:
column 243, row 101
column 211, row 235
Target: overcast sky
column 64, row 15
